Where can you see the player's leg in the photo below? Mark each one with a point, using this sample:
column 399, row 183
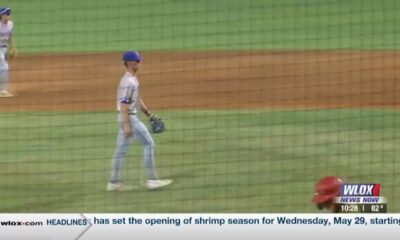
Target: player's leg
column 122, row 146
column 143, row 136
column 4, row 82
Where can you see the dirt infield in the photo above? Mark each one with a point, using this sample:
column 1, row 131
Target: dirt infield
column 208, row 80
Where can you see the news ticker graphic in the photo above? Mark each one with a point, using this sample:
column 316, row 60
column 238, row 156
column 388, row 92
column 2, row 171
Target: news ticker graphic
column 360, row 198
column 197, row 226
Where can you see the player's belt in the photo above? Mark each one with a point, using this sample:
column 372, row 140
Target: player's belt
column 131, row 113
column 3, row 46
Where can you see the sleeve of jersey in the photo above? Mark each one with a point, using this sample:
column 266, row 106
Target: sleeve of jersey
column 125, row 100
column 127, row 93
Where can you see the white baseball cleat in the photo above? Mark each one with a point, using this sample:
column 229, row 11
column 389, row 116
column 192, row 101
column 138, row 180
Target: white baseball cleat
column 154, row 184
column 5, row 93
column 118, row 187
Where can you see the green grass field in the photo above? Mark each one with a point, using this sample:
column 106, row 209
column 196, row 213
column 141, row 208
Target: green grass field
column 225, row 161
column 221, row 161
column 101, row 25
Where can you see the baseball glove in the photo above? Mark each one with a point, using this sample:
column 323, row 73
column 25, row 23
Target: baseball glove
column 13, row 52
column 157, row 124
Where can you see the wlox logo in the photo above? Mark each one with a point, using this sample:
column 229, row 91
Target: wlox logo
column 360, row 189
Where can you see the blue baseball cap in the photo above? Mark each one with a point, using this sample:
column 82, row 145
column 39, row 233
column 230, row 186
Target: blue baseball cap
column 5, row 11
column 131, row 55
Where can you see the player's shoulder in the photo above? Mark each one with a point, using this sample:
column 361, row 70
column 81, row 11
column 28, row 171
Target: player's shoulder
column 128, row 79
column 8, row 25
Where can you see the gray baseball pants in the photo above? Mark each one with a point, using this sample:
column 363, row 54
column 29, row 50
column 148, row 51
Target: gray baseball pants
column 141, row 134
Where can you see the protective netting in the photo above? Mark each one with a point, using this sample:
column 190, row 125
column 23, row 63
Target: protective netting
column 260, row 100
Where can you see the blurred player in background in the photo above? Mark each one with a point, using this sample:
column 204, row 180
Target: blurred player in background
column 326, row 190
column 131, row 128
column 7, row 49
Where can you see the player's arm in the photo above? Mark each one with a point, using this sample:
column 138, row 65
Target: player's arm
column 144, row 109
column 11, row 41
column 12, row 48
column 125, row 118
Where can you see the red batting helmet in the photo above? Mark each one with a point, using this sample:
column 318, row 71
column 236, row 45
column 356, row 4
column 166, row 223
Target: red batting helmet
column 327, row 189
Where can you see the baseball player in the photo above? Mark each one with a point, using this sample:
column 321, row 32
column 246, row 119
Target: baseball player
column 131, row 128
column 7, row 49
column 326, row 190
